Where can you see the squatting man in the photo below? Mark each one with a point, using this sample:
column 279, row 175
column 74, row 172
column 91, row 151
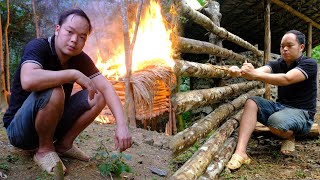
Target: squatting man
column 42, row 114
column 293, row 112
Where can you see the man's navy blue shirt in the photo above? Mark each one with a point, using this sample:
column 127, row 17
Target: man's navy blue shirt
column 42, row 52
column 301, row 95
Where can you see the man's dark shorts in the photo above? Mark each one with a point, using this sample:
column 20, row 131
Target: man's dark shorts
column 21, row 131
column 283, row 117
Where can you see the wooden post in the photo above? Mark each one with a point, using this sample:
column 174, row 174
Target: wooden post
column 129, row 103
column 267, row 41
column 309, row 49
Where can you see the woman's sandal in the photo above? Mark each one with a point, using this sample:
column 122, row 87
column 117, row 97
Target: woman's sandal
column 236, row 161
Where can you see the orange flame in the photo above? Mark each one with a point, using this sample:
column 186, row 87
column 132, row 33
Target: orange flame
column 152, row 47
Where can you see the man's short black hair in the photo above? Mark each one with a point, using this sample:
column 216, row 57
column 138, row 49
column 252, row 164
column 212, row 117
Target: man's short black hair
column 77, row 12
column 301, row 38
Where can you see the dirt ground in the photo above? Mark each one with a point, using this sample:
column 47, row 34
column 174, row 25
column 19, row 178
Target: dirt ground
column 150, row 150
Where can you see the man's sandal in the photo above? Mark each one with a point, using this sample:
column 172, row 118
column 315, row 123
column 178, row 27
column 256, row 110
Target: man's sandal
column 75, row 153
column 236, row 161
column 49, row 162
column 287, row 145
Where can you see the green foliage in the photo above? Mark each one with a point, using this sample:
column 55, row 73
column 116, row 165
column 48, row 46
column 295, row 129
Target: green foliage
column 300, row 174
column 316, row 53
column 185, row 84
column 12, row 159
column 4, row 166
column 111, row 162
column 202, row 2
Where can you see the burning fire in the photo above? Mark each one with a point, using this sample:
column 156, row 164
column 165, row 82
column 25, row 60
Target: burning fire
column 152, row 46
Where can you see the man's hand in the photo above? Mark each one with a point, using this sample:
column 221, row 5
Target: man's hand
column 234, row 71
column 248, row 71
column 123, row 139
column 86, row 83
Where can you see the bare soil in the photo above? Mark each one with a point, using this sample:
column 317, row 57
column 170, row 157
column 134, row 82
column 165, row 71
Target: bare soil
column 150, row 149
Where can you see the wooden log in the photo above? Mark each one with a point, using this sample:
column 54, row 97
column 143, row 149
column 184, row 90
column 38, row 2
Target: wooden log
column 200, row 160
column 189, row 136
column 267, row 42
column 185, row 101
column 199, row 70
column 309, row 48
column 221, row 158
column 204, row 21
column 296, row 13
column 186, row 45
column 264, row 130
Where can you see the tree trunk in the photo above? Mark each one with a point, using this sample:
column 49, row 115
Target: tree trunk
column 219, row 161
column 199, row 70
column 267, row 42
column 200, row 160
column 3, row 96
column 185, row 101
column 186, row 45
column 189, row 136
column 35, row 18
column 204, row 21
column 7, row 62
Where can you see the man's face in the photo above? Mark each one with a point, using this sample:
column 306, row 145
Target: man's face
column 290, row 49
column 71, row 36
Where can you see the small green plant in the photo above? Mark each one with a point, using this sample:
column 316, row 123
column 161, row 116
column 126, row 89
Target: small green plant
column 300, row 174
column 12, row 159
column 4, row 166
column 109, row 162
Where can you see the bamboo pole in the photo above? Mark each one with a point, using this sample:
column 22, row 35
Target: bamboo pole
column 200, row 160
column 296, row 13
column 199, row 70
column 204, row 21
column 219, row 161
column 189, row 136
column 309, row 49
column 186, row 45
column 185, row 101
column 267, row 42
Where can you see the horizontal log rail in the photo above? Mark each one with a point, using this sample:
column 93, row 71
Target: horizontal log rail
column 201, row 159
column 185, row 101
column 199, row 70
column 190, row 135
column 186, row 45
column 204, row 21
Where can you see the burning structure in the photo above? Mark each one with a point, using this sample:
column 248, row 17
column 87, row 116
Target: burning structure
column 152, row 76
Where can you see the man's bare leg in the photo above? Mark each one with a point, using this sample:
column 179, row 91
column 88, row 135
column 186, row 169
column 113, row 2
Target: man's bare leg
column 47, row 120
column 247, row 125
column 66, row 142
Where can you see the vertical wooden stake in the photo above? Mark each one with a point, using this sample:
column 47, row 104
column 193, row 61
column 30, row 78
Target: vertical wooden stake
column 309, row 48
column 267, row 41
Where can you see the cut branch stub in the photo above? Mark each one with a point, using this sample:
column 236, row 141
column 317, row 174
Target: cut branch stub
column 185, row 101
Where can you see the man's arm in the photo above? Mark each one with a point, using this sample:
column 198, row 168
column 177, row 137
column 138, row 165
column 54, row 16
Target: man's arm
column 263, row 74
column 123, row 138
column 34, row 78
